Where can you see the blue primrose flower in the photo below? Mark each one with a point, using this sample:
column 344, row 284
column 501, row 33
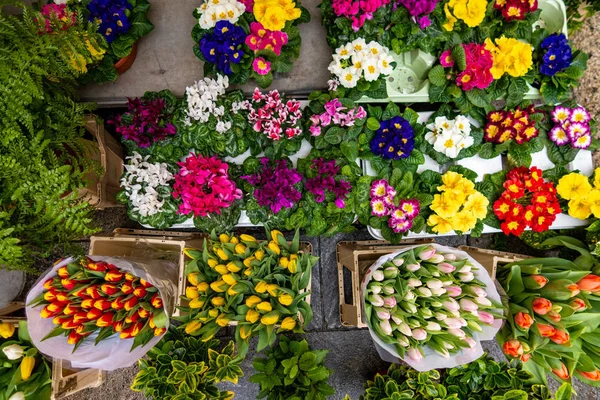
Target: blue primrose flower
column 209, row 49
column 111, row 15
column 555, row 40
column 223, row 46
column 394, row 139
column 558, row 56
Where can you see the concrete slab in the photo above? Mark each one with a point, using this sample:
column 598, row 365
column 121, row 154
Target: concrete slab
column 12, row 283
column 165, row 59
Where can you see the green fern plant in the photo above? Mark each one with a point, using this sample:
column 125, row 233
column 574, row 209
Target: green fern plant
column 42, row 157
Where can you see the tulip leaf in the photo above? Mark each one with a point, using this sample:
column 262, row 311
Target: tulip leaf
column 23, row 332
column 514, row 282
column 55, row 332
column 160, row 319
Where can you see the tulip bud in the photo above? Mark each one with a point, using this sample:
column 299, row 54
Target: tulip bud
column 143, row 313
column 438, row 292
column 574, row 288
column 388, row 289
column 426, row 313
column 7, row 330
column 214, row 313
column 440, row 316
column 245, row 331
column 223, row 320
column 554, row 316
column 288, row 323
column 401, row 340
column 413, row 282
column 433, row 326
column 436, row 304
column 398, row 261
column 413, row 323
column 389, row 302
column 192, row 327
column 409, row 307
column 451, row 305
column 513, row 348
column 435, row 274
column 415, row 354
column 591, row 375
column 129, row 304
column 114, row 276
column 397, row 320
column 436, row 259
column 390, row 272
column 375, row 287
column 446, row 268
column 48, row 284
column 404, row 328
column 197, row 302
column 286, row 299
column 375, row 300
column 159, row 331
column 191, row 292
column 74, row 338
column 409, row 296
column 382, row 313
column 427, row 253
column 413, row 267
column 264, row 306
column 13, row 351
column 459, row 333
column 535, row 281
column 541, row 306
column 218, row 301
column 424, row 292
column 486, row 317
column 385, row 326
column 482, row 301
column 471, row 342
column 419, row 334
column 126, row 288
column 562, row 372
column 453, row 323
column 274, row 247
column 450, row 257
column 378, row 276
column 118, row 303
column 454, row 291
column 464, row 269
column 434, row 284
column 523, row 320
column 468, row 305
column 17, row 396
column 466, row 277
column 560, row 337
column 140, row 292
column 270, row 318
column 476, row 291
column 443, row 352
column 590, row 283
column 578, row 304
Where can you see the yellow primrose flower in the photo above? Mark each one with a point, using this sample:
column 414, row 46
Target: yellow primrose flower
column 203, row 286
column 219, row 286
column 197, row 302
column 224, row 238
column 274, row 247
column 229, row 279
column 272, row 288
column 274, row 18
column 252, row 316
column 193, row 278
column 286, row 299
column 247, row 238
column 245, row 331
column 472, row 12
column 270, row 319
column 453, row 181
column 192, row 327
column 438, row 224
column 191, row 292
column 252, row 301
column 218, row 301
column 573, row 186
column 259, row 254
column 221, row 269
column 445, row 205
column 261, row 287
column 451, row 19
column 212, row 262
column 240, row 248
column 464, row 221
column 288, row 323
column 594, row 199
column 264, row 306
column 597, row 178
column 234, row 266
column 579, row 208
column 223, row 320
column 510, row 56
column 477, row 204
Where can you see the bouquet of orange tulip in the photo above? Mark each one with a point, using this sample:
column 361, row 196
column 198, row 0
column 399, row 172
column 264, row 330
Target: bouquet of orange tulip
column 253, row 284
column 554, row 314
column 95, row 297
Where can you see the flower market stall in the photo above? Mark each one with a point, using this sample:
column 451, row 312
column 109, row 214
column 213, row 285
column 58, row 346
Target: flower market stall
column 436, row 144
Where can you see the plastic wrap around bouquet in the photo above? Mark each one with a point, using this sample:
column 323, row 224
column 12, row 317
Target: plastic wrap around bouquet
column 430, row 306
column 102, row 312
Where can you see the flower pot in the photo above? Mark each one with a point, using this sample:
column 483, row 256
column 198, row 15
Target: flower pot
column 126, row 62
column 553, row 16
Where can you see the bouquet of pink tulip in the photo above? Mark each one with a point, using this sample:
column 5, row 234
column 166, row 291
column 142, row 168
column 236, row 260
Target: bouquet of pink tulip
column 553, row 322
column 431, row 297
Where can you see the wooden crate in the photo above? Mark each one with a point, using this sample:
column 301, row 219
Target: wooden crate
column 357, row 257
column 11, row 308
column 102, row 191
column 490, row 259
column 128, row 242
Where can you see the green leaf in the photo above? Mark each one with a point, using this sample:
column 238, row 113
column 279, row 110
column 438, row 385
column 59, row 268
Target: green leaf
column 307, row 361
column 437, row 76
column 460, row 57
column 372, row 124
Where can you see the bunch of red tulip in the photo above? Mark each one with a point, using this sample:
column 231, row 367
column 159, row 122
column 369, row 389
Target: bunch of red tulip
column 553, row 322
column 88, row 296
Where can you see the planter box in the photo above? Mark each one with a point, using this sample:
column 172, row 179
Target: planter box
column 491, row 259
column 66, row 380
column 141, row 243
column 102, row 191
column 354, row 258
column 408, row 83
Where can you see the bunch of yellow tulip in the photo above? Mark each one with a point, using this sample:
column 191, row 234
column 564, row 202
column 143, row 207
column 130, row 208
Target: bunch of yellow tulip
column 255, row 285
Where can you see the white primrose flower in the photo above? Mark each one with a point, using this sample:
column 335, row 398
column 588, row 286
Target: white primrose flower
column 385, row 64
column 357, row 60
column 140, row 181
column 449, row 137
column 370, row 69
column 213, row 11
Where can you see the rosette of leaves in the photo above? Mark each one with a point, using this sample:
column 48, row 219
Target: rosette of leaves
column 244, row 71
column 326, row 218
column 292, row 371
column 345, row 137
column 408, row 185
column 171, row 149
column 121, row 46
column 378, row 163
column 446, row 110
column 286, row 218
column 205, row 139
column 557, row 89
column 339, row 29
column 401, row 382
column 563, row 155
column 519, row 155
column 185, row 367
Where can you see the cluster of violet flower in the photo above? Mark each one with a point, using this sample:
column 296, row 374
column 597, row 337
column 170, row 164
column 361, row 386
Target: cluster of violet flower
column 357, row 11
column 336, row 114
column 383, row 204
column 144, row 122
column 325, row 181
column 275, row 185
column 271, row 114
column 572, row 126
column 204, row 186
column 419, row 10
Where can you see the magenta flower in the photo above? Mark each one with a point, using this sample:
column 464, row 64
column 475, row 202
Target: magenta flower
column 261, row 66
column 357, row 11
column 204, row 186
column 571, row 126
column 446, row 59
column 261, row 38
column 335, row 114
column 325, row 181
column 275, row 186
